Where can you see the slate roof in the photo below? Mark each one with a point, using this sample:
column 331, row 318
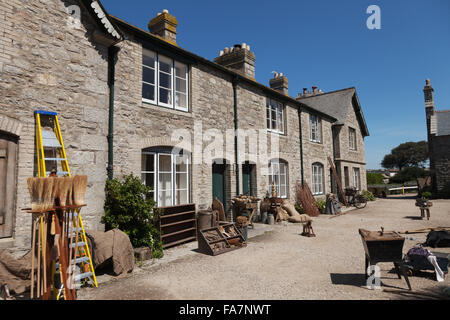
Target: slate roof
column 337, row 104
column 440, row 123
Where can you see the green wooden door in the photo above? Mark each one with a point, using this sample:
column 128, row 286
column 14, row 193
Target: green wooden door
column 218, row 183
column 247, row 182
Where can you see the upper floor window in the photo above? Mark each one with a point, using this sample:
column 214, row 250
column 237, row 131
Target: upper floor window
column 278, row 177
column 275, row 116
column 352, row 138
column 317, row 179
column 315, row 125
column 164, row 81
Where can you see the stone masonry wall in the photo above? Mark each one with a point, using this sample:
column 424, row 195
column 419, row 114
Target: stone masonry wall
column 441, row 158
column 317, row 152
column 47, row 63
column 352, row 158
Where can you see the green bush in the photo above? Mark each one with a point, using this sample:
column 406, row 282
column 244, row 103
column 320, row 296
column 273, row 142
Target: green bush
column 321, row 203
column 299, row 208
column 130, row 208
column 374, row 178
column 426, row 195
column 368, row 195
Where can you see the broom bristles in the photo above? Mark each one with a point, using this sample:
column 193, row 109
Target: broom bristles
column 31, row 190
column 69, row 200
column 47, row 193
column 40, row 193
column 63, row 188
column 79, row 189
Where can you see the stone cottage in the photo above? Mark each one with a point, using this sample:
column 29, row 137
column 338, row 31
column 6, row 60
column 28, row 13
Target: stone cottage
column 438, row 133
column 133, row 101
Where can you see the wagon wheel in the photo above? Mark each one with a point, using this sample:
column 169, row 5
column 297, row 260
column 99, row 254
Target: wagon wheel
column 360, row 202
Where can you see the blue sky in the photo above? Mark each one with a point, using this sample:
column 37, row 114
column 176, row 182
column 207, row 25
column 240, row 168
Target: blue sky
column 327, row 44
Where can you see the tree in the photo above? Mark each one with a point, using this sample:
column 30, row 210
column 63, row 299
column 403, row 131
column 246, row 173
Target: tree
column 374, row 178
column 408, row 154
column 409, row 174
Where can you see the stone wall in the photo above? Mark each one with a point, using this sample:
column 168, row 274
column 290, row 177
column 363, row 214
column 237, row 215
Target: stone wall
column 317, row 152
column 47, row 63
column 347, row 157
column 441, row 159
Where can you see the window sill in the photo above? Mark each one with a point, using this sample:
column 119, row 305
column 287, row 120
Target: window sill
column 276, row 132
column 315, row 142
column 151, row 105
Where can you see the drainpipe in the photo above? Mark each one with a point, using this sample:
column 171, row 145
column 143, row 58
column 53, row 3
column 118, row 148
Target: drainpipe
column 112, row 52
column 301, row 142
column 235, row 83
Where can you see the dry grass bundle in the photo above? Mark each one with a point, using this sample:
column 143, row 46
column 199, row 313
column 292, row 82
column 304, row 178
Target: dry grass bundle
column 69, row 199
column 62, row 190
column 47, row 200
column 39, row 189
column 31, row 182
column 79, row 190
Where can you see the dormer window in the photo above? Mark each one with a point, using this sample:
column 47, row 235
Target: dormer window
column 352, row 138
column 164, row 81
column 315, row 125
column 275, row 116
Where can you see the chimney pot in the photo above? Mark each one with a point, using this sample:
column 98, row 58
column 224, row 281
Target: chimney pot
column 242, row 61
column 164, row 25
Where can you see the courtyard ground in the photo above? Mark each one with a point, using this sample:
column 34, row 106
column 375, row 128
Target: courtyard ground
column 282, row 264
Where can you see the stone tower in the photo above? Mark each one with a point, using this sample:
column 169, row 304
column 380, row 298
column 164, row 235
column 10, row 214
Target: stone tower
column 429, row 104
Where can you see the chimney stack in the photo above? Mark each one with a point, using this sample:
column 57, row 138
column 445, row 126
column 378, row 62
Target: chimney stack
column 238, row 58
column 280, row 83
column 164, row 25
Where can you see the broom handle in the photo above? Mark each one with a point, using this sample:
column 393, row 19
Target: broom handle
column 44, row 251
column 33, row 252
column 38, row 292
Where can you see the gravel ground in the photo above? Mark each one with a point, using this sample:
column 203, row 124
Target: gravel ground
column 282, row 264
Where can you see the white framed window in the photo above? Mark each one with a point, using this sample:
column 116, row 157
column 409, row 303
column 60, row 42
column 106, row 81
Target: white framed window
column 315, row 128
column 352, row 138
column 164, row 81
column 168, row 176
column 275, row 116
column 356, row 178
column 278, row 177
column 317, row 179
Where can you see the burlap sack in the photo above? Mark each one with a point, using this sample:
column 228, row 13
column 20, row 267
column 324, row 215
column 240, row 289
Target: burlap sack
column 282, row 214
column 290, row 209
column 301, row 218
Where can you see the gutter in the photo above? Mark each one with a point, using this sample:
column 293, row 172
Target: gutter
column 236, row 126
column 112, row 53
column 301, row 143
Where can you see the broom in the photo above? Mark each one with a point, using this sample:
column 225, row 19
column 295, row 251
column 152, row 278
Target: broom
column 47, row 193
column 39, row 184
column 79, row 190
column 69, row 200
column 31, row 182
column 63, row 189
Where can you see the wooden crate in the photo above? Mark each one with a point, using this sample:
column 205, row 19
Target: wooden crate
column 177, row 224
column 207, row 245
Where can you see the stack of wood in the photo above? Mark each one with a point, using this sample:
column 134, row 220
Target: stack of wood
column 307, row 200
column 54, row 200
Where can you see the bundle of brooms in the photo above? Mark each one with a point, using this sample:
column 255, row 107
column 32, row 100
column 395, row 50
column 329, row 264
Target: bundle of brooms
column 49, row 192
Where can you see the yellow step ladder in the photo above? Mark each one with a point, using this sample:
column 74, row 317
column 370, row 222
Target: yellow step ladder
column 51, row 154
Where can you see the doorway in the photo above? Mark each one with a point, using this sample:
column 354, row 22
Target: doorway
column 8, row 183
column 248, row 178
column 219, row 181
